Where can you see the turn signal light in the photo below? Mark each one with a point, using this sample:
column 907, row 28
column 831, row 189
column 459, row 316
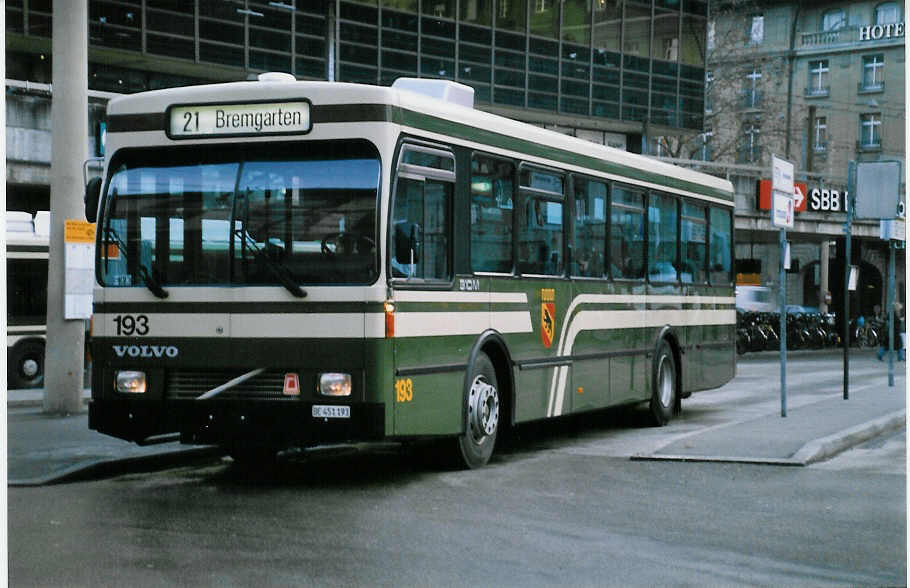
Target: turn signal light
column 389, row 319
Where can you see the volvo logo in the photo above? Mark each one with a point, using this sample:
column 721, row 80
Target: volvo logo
column 146, row 351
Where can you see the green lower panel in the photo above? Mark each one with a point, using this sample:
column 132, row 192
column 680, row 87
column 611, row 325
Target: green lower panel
column 592, row 376
column 533, row 397
column 429, row 404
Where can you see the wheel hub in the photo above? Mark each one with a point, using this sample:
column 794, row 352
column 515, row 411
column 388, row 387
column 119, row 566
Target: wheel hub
column 29, row 368
column 483, row 408
column 665, row 382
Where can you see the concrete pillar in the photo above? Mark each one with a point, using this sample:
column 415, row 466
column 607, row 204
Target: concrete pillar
column 64, row 355
column 823, row 275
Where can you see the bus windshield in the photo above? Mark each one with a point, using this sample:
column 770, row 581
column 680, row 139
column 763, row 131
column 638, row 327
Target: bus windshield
column 302, row 212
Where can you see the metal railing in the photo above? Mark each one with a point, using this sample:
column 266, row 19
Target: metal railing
column 841, row 35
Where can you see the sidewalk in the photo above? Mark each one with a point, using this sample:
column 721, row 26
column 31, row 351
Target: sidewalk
column 44, row 449
column 809, row 433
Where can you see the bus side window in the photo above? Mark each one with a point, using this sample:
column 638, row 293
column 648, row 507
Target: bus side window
column 590, row 228
column 491, row 214
column 692, row 239
column 719, row 261
column 662, row 216
column 421, row 230
column 627, row 234
column 541, row 237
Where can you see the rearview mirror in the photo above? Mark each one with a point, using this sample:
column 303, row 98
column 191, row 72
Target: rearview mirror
column 92, row 193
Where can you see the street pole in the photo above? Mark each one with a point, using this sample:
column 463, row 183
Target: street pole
column 891, row 313
column 65, row 347
column 783, row 324
column 848, row 227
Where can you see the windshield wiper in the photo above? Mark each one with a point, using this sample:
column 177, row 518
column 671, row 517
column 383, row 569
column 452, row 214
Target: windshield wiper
column 151, row 282
column 279, row 270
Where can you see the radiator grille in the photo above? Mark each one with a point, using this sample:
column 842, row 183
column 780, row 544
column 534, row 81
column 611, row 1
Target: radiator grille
column 188, row 384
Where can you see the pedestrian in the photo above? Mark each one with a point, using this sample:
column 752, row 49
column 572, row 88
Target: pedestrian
column 898, row 335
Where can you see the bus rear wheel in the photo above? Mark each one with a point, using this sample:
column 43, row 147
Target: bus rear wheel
column 664, row 391
column 26, row 365
column 482, row 411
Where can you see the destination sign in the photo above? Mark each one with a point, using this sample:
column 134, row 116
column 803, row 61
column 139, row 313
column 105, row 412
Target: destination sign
column 213, row 120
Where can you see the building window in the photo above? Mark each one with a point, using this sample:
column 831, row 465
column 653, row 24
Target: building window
column 873, row 72
column 820, row 134
column 705, row 139
column 870, row 130
column 751, row 95
column 750, row 148
column 818, row 78
column 887, row 13
column 756, row 32
column 709, row 95
column 833, row 20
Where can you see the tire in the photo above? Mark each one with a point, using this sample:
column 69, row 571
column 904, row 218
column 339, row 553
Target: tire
column 26, row 365
column 474, row 447
column 664, row 388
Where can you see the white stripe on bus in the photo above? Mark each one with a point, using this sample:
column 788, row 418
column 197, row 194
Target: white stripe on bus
column 590, row 320
column 481, row 297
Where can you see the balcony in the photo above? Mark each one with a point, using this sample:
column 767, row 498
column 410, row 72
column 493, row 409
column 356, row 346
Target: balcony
column 872, row 88
column 823, row 92
column 841, row 35
column 864, row 147
column 748, row 155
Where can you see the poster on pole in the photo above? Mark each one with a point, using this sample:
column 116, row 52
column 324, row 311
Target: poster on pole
column 782, row 193
column 78, row 257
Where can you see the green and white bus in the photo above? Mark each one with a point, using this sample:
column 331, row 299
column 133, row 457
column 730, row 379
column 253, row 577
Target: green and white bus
column 286, row 263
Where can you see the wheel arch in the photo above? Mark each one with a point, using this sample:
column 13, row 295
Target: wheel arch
column 668, row 334
column 494, row 346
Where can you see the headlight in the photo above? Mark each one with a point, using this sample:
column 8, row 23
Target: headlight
column 335, row 384
column 130, row 382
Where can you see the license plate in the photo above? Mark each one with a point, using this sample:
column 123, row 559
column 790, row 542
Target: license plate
column 322, row 411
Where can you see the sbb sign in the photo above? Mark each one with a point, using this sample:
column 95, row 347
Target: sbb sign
column 764, row 196
column 827, row 200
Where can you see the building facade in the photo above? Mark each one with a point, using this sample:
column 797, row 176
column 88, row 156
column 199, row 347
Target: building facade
column 820, row 84
column 609, row 71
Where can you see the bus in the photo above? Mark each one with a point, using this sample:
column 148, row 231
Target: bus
column 282, row 264
column 27, row 239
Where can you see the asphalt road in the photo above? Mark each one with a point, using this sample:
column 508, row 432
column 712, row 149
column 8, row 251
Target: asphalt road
column 560, row 504
column 533, row 518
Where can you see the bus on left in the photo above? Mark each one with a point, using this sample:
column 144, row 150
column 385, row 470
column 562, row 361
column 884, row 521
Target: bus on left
column 26, row 296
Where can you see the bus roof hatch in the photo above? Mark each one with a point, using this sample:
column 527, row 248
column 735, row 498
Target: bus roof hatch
column 445, row 90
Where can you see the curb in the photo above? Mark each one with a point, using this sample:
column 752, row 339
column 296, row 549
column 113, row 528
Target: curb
column 812, row 452
column 826, row 447
column 109, row 467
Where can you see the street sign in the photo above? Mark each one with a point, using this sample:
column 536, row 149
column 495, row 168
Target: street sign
column 781, row 175
column 782, row 190
column 782, row 210
column 877, row 189
column 893, row 229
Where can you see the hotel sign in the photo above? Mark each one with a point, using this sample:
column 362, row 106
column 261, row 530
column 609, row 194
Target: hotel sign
column 878, row 32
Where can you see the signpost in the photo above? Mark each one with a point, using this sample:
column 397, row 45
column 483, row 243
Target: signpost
column 874, row 187
column 782, row 212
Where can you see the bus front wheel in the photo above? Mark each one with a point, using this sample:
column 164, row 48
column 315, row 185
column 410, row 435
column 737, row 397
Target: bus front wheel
column 482, row 411
column 664, row 391
column 26, row 365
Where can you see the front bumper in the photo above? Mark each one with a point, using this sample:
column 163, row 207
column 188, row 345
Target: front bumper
column 273, row 423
